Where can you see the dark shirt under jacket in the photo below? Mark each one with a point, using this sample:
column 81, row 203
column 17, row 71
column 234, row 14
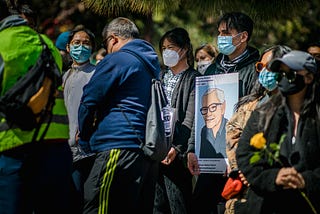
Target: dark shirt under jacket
column 213, row 147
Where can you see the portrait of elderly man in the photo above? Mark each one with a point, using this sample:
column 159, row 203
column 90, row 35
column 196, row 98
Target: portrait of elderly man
column 213, row 133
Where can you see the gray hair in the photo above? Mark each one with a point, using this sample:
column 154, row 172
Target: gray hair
column 219, row 93
column 121, row 27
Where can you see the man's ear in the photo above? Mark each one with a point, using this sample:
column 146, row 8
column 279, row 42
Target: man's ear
column 244, row 36
column 115, row 40
column 68, row 48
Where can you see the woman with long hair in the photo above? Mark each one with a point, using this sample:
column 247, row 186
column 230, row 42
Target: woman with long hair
column 278, row 151
column 174, row 186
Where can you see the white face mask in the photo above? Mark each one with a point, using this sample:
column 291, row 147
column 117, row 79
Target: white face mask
column 203, row 65
column 170, row 57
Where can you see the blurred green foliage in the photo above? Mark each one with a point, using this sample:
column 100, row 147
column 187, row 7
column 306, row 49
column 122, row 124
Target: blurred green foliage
column 294, row 23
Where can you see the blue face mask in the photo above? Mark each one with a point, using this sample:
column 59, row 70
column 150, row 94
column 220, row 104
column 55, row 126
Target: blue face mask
column 80, row 53
column 225, row 45
column 268, row 79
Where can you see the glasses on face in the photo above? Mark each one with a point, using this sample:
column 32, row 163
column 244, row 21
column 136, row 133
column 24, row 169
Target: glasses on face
column 290, row 75
column 212, row 108
column 260, row 66
column 85, row 43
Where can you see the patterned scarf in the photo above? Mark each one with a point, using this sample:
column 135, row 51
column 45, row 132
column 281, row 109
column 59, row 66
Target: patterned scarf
column 169, row 83
column 230, row 66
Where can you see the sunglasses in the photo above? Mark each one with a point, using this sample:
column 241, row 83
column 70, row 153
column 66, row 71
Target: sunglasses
column 212, row 108
column 260, row 66
column 290, row 75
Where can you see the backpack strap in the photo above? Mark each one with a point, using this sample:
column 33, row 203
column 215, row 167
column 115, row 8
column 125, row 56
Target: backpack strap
column 48, row 106
column 153, row 78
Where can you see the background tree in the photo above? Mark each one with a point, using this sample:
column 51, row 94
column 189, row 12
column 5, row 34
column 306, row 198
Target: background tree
column 291, row 22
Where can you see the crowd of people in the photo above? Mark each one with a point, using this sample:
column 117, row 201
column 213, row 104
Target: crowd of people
column 90, row 160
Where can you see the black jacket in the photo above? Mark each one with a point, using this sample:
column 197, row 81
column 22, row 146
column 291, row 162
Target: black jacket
column 183, row 100
column 303, row 155
column 246, row 69
column 247, row 78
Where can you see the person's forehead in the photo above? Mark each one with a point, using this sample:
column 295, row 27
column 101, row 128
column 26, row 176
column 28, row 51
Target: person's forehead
column 314, row 49
column 202, row 53
column 81, row 35
column 223, row 28
column 167, row 42
column 212, row 97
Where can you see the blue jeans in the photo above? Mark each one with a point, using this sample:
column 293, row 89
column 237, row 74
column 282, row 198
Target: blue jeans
column 36, row 178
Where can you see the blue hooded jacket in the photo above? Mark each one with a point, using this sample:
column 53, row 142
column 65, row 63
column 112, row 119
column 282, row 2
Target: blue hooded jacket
column 114, row 104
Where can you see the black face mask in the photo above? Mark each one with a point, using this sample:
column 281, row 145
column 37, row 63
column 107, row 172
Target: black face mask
column 289, row 88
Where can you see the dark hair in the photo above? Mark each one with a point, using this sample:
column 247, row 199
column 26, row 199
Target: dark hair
column 29, row 14
column 7, row 8
column 180, row 37
column 121, row 27
column 87, row 31
column 317, row 44
column 238, row 21
column 258, row 90
column 310, row 106
column 16, row 7
column 210, row 49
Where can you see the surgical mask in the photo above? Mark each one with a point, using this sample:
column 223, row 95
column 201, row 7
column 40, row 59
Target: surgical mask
column 225, row 45
column 80, row 53
column 268, row 79
column 170, row 57
column 291, row 87
column 203, row 65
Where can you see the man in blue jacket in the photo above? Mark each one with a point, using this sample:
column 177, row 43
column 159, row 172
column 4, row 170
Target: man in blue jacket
column 112, row 119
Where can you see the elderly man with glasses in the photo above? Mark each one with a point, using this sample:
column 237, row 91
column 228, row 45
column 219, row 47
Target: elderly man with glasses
column 213, row 134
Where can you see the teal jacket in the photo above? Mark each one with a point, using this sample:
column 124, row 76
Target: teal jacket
column 19, row 50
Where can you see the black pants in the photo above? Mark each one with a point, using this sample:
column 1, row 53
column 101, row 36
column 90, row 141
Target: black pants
column 206, row 196
column 121, row 181
column 173, row 189
column 36, row 178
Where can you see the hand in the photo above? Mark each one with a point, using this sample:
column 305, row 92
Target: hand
column 170, row 156
column 193, row 165
column 77, row 137
column 289, row 178
column 243, row 179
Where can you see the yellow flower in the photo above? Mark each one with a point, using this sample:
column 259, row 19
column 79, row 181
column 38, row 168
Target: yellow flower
column 271, row 154
column 258, row 141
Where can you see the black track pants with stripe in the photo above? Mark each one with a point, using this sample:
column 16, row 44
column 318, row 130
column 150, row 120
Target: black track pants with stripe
column 121, row 181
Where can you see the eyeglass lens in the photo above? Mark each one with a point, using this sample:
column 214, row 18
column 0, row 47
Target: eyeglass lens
column 212, row 108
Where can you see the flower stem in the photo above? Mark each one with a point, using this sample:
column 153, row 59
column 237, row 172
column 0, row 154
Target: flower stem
column 301, row 192
column 308, row 201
